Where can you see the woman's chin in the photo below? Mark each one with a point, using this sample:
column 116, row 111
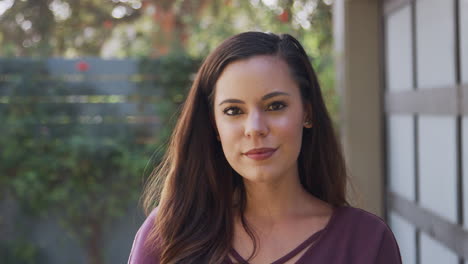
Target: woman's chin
column 261, row 177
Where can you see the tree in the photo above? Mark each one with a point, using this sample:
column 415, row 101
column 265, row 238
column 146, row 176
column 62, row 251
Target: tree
column 61, row 27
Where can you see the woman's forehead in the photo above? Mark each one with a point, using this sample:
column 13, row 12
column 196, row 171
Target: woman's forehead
column 257, row 75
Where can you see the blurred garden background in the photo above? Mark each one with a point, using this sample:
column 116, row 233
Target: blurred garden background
column 89, row 91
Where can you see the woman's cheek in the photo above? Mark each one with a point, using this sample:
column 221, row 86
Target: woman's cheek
column 288, row 124
column 229, row 136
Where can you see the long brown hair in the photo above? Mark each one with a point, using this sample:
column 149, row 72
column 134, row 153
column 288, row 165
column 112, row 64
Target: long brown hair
column 195, row 185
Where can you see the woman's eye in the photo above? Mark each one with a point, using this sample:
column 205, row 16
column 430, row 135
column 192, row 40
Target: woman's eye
column 275, row 106
column 232, row 111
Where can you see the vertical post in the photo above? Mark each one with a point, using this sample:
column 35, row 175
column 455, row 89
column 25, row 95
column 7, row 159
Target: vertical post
column 357, row 43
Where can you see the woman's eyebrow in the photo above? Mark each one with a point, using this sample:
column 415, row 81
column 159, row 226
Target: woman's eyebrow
column 265, row 97
column 273, row 94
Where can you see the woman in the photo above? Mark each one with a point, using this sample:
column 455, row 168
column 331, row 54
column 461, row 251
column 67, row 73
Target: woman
column 254, row 172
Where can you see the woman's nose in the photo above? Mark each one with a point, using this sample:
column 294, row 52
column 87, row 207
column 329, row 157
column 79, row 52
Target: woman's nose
column 256, row 124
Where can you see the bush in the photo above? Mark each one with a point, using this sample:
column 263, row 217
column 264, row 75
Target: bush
column 52, row 164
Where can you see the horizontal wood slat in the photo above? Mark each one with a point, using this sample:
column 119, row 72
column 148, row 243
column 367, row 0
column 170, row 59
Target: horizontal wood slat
column 105, row 89
column 143, row 133
column 100, row 98
column 107, row 109
column 391, row 6
column 464, row 92
column 452, row 235
column 435, row 101
column 95, row 66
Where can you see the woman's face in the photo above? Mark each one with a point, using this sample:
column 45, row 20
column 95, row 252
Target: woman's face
column 259, row 116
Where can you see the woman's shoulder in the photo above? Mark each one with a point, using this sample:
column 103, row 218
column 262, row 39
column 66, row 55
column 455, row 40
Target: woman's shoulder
column 359, row 236
column 354, row 222
column 364, row 231
column 141, row 253
column 353, row 216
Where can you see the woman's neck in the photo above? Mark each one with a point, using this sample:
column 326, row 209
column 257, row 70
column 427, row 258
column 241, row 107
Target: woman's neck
column 278, row 200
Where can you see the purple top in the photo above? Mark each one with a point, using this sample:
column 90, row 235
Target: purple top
column 352, row 236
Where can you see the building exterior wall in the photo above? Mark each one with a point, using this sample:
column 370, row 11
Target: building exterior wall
column 421, row 90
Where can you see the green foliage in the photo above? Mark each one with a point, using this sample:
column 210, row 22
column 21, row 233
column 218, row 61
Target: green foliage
column 174, row 74
column 64, row 168
column 20, row 251
column 61, row 27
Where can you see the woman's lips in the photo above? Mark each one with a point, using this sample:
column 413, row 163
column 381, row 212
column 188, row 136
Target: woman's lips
column 260, row 153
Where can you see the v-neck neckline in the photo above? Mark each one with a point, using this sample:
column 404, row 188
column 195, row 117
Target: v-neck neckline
column 308, row 242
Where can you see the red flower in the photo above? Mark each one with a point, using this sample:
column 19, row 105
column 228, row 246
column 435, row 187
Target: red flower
column 107, row 24
column 82, row 66
column 284, row 16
